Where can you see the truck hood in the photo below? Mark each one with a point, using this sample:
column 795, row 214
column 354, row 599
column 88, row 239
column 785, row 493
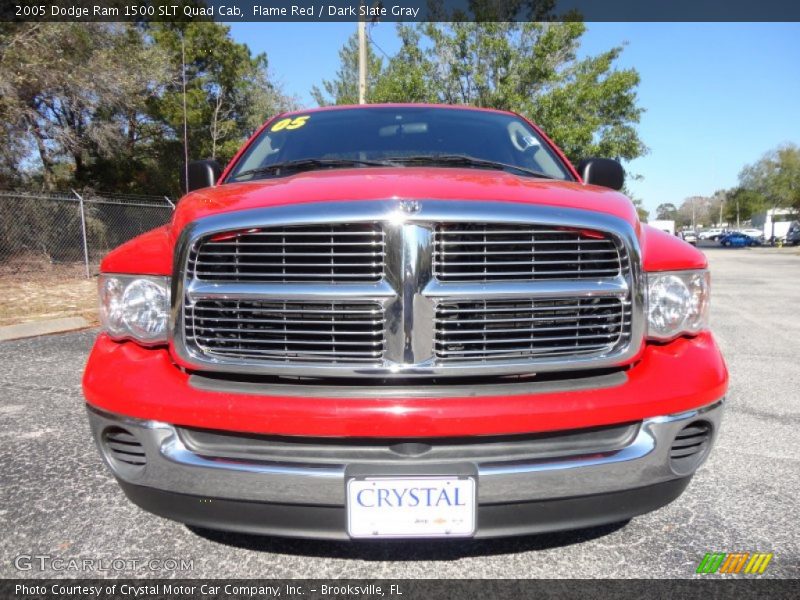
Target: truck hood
column 152, row 253
column 412, row 183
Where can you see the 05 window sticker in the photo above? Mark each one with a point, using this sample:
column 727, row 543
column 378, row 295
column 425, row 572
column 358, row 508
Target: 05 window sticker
column 290, row 123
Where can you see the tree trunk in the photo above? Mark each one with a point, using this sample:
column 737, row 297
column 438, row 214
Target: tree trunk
column 44, row 156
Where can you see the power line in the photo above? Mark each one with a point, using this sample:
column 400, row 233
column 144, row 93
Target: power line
column 371, row 41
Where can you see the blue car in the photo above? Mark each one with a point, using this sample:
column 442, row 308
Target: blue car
column 738, row 239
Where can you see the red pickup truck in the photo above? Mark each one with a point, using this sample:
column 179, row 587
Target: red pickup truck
column 404, row 321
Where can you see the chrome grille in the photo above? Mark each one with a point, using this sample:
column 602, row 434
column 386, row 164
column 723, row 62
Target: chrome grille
column 485, row 252
column 310, row 253
column 331, row 332
column 514, row 330
column 377, row 289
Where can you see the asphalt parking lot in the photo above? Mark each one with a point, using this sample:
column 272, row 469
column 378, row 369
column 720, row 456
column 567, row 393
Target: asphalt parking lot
column 58, row 500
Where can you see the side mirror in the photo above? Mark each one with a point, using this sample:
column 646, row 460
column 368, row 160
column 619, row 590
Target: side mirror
column 602, row 171
column 203, row 174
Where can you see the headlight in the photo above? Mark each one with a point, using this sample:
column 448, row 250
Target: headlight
column 677, row 303
column 135, row 307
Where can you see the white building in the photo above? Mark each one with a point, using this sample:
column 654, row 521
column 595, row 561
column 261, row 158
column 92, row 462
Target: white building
column 775, row 222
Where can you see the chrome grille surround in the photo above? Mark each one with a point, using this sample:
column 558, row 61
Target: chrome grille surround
column 409, row 293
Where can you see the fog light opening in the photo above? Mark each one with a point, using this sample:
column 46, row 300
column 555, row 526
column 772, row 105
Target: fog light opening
column 690, row 447
column 124, row 451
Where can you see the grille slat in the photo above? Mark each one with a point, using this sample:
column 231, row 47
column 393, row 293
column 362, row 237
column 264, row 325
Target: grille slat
column 486, row 253
column 292, row 254
column 282, row 264
column 306, row 331
column 280, row 321
column 538, row 339
column 509, row 353
column 303, row 310
column 279, row 245
column 284, row 342
column 445, row 309
column 594, row 325
column 499, row 230
column 282, row 277
column 303, row 230
column 523, row 330
column 500, row 275
column 455, row 263
column 523, row 319
column 300, row 356
column 517, row 241
column 332, row 332
column 538, row 252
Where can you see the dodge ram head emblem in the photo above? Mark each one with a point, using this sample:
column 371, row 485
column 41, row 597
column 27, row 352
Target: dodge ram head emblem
column 409, row 206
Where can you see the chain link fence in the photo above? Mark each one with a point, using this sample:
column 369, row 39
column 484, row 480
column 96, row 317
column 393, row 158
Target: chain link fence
column 51, row 245
column 39, row 230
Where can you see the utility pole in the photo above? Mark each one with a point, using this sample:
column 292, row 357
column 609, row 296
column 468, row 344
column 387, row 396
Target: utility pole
column 362, row 60
column 83, row 231
column 738, row 226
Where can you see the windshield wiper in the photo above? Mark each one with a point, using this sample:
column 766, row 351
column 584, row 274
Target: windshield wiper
column 394, row 161
column 467, row 161
column 312, row 163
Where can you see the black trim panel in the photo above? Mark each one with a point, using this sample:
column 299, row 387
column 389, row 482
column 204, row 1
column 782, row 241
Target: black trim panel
column 329, row 522
column 394, row 389
column 479, row 449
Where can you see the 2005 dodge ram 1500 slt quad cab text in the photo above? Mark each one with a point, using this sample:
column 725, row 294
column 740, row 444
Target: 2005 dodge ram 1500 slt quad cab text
column 404, row 321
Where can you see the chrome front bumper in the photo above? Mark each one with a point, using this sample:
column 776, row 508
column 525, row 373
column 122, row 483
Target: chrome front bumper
column 172, row 467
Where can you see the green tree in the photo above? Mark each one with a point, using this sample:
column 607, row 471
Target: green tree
column 72, row 92
column 406, row 77
column 101, row 104
column 229, row 92
column 667, row 211
column 775, row 177
column 701, row 211
column 742, row 204
column 588, row 105
column 343, row 89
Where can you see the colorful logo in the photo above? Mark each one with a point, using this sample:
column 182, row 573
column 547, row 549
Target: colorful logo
column 734, row 562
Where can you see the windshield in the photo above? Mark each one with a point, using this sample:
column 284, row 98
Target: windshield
column 392, row 136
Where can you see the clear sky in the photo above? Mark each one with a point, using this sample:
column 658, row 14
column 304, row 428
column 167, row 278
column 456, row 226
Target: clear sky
column 717, row 95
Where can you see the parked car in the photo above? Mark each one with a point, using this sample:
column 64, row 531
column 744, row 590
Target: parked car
column 753, row 233
column 711, row 234
column 404, row 321
column 793, row 237
column 738, row 239
column 689, row 236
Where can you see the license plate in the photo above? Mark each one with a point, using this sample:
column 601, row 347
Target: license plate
column 434, row 506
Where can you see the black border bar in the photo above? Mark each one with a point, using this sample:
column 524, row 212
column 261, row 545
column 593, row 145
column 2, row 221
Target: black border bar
column 401, row 10
column 702, row 587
